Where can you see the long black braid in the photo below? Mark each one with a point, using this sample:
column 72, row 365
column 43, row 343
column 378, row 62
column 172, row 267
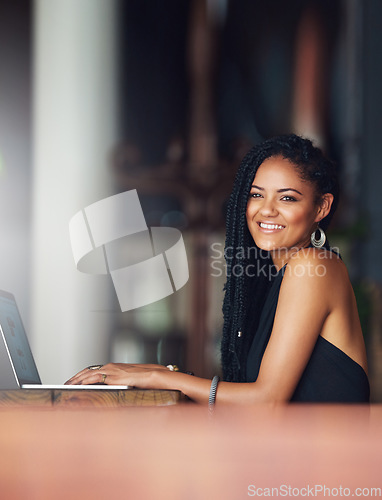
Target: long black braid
column 242, row 254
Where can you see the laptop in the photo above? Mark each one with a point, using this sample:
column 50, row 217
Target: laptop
column 17, row 366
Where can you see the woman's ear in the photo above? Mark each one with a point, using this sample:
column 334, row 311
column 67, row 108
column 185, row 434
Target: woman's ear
column 324, row 206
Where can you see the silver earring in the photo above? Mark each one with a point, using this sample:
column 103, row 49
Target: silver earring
column 320, row 242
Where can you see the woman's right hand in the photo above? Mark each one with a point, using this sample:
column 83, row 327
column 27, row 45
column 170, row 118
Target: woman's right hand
column 137, row 375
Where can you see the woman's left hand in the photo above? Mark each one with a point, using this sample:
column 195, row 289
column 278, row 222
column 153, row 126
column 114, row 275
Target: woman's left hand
column 140, row 375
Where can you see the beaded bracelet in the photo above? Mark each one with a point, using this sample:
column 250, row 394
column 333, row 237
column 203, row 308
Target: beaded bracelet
column 214, row 386
column 173, row 368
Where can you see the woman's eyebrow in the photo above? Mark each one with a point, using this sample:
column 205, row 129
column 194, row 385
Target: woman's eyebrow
column 288, row 189
column 279, row 190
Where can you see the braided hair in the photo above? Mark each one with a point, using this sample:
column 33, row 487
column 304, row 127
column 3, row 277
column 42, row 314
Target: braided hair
column 241, row 253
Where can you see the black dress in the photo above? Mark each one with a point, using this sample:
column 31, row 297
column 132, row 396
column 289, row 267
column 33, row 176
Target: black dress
column 330, row 375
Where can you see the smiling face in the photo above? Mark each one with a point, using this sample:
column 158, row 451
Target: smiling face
column 282, row 209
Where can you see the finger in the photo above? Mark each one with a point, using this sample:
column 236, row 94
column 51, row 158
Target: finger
column 82, row 373
column 86, row 380
column 76, row 380
column 86, row 377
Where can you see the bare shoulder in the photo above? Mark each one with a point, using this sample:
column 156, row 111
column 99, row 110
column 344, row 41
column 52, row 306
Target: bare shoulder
column 321, row 266
column 315, row 277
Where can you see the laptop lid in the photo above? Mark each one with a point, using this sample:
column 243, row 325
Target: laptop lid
column 17, row 366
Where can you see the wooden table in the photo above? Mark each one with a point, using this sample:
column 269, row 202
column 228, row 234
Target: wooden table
column 181, row 452
column 80, row 398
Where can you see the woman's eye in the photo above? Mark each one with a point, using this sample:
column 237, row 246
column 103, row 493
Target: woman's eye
column 288, row 198
column 255, row 195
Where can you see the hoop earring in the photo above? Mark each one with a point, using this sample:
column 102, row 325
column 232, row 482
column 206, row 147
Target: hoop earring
column 320, row 242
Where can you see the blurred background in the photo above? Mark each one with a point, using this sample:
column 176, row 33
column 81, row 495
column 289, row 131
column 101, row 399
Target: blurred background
column 165, row 96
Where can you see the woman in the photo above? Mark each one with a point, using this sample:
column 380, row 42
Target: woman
column 291, row 327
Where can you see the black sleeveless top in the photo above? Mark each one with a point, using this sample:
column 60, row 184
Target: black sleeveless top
column 330, row 375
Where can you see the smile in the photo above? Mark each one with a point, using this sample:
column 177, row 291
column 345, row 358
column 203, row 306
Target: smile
column 263, row 225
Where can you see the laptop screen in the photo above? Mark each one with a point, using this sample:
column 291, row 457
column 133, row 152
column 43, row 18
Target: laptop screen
column 16, row 341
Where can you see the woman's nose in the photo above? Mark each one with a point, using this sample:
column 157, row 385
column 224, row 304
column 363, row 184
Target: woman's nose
column 268, row 208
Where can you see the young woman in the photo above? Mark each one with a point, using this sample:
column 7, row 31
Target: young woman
column 291, row 327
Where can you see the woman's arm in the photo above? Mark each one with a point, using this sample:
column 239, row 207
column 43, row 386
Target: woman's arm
column 303, row 306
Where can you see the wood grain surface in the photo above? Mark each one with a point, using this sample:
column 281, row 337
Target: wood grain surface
column 81, row 398
column 26, row 397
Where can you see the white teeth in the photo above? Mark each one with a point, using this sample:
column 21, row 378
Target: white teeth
column 270, row 226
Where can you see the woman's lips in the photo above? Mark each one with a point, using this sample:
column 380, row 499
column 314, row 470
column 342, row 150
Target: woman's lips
column 266, row 226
